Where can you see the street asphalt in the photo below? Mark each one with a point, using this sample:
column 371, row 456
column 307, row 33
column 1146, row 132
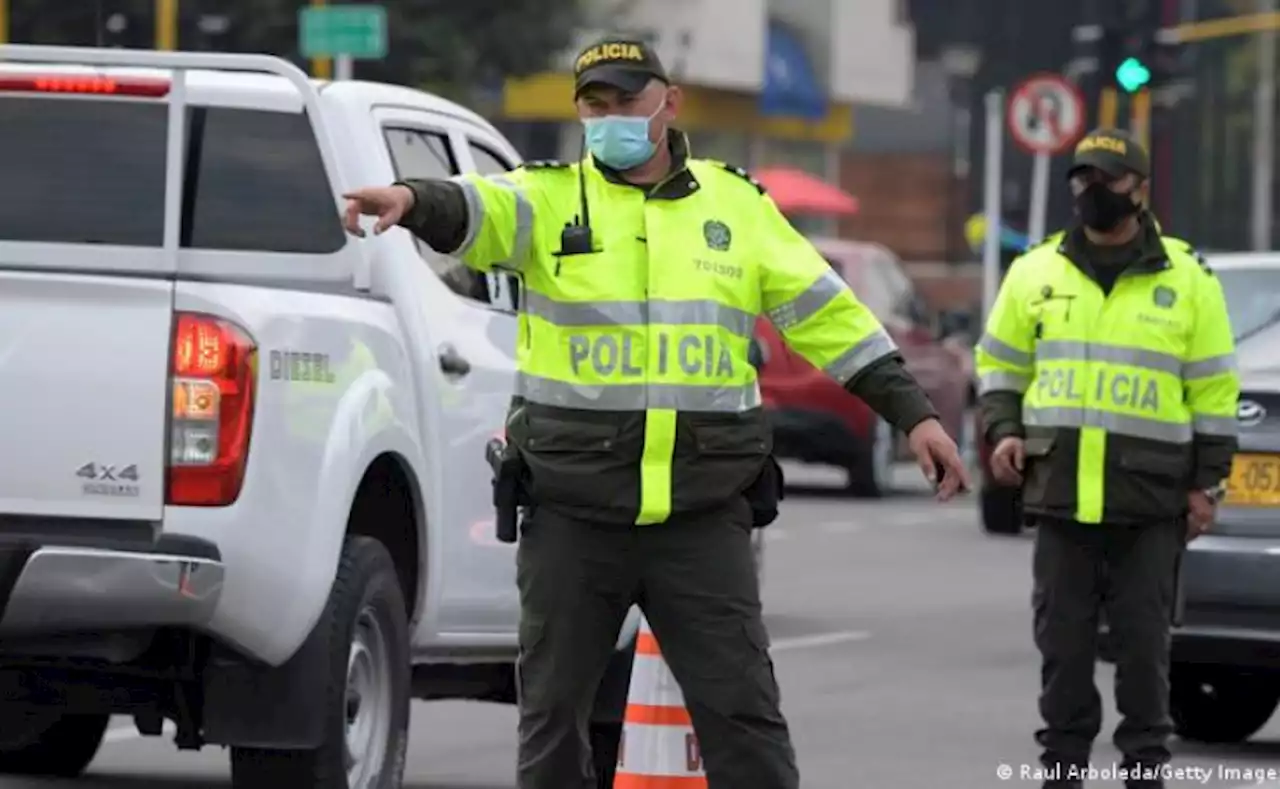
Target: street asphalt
column 902, row 640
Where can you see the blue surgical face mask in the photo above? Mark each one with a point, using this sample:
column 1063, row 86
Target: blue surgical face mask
column 621, row 141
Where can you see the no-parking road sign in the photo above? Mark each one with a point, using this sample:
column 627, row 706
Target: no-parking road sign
column 1046, row 114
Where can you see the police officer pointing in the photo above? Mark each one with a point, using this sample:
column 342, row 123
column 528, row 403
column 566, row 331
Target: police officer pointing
column 1108, row 387
column 638, row 414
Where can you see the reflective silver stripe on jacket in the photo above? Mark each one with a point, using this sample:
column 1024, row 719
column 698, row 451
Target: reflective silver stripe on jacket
column 1003, row 382
column 1003, row 352
column 1078, row 351
column 1207, row 368
column 853, row 361
column 1225, row 426
column 638, row 397
column 802, row 307
column 689, row 312
column 476, row 217
column 524, row 224
column 1120, row 424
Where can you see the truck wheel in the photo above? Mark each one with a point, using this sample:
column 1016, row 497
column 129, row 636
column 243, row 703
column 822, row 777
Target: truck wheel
column 63, row 749
column 1001, row 510
column 367, row 687
column 1218, row 705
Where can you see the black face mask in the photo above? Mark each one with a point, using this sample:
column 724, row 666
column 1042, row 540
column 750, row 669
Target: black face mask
column 1102, row 209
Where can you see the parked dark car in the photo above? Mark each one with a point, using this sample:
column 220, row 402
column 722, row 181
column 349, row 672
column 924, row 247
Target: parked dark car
column 1225, row 675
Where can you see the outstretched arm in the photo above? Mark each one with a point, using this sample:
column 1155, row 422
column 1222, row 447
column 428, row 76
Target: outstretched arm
column 821, row 319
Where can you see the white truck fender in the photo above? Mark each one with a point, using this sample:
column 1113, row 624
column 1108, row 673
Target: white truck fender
column 374, row 416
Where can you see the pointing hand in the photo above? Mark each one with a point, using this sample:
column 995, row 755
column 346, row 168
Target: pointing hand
column 389, row 204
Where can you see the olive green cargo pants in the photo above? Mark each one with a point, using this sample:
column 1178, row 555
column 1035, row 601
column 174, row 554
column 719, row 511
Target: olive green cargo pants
column 1128, row 572
column 695, row 579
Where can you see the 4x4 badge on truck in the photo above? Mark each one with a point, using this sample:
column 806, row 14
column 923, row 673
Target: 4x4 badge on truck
column 105, row 480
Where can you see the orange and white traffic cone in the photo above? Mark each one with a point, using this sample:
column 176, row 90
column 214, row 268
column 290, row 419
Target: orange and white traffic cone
column 658, row 749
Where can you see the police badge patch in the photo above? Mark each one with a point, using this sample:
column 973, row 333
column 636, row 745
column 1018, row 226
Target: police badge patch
column 717, row 235
column 1163, row 297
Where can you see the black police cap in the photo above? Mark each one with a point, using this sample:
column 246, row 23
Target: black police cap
column 1113, row 151
column 622, row 63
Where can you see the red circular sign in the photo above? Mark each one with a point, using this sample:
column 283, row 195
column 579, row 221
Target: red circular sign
column 1046, row 114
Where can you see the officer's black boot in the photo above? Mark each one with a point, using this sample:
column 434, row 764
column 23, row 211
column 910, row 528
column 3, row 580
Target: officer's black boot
column 1142, row 776
column 1062, row 775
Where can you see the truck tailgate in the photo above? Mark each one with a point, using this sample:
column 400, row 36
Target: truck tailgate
column 84, row 362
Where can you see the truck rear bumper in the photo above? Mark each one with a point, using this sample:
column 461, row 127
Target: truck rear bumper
column 68, row 589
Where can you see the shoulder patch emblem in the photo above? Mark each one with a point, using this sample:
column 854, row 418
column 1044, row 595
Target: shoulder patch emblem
column 1164, row 297
column 545, row 164
column 744, row 175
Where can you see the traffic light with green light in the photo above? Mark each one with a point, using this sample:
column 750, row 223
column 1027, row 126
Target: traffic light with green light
column 1132, row 75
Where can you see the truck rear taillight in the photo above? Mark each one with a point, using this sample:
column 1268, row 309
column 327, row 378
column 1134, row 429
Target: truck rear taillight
column 213, row 374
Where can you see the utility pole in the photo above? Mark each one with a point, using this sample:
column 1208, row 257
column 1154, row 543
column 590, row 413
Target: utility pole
column 166, row 25
column 1264, row 135
column 321, row 68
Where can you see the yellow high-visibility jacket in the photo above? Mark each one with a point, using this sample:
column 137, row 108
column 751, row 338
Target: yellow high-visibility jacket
column 1127, row 399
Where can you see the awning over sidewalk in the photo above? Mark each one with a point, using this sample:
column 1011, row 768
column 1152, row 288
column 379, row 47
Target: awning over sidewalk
column 798, row 192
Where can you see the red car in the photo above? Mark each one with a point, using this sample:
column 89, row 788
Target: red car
column 815, row 420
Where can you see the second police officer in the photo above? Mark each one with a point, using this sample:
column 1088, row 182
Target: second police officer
column 638, row 414
column 1108, row 387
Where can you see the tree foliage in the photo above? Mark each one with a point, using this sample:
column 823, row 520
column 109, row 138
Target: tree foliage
column 448, row 45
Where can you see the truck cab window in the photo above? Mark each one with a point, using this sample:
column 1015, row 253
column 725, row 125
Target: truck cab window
column 488, row 162
column 422, row 154
column 504, row 289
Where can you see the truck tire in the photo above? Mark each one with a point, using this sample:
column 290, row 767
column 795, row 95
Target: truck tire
column 1213, row 704
column 1001, row 510
column 64, row 749
column 367, row 687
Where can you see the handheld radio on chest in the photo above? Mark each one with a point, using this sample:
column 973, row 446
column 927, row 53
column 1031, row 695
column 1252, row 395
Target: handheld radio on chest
column 576, row 238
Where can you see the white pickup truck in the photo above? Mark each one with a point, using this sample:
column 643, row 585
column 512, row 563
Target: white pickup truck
column 243, row 485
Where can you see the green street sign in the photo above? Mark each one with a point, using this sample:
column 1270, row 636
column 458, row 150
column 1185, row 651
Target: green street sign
column 1132, row 75
column 355, row 31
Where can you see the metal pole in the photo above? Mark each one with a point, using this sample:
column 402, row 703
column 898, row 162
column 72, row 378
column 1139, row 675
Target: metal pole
column 166, row 25
column 1140, row 117
column 321, row 68
column 343, row 66
column 993, row 172
column 1039, row 198
column 1264, row 134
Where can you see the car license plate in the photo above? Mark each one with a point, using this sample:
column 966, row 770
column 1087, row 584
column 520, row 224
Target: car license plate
column 1254, row 481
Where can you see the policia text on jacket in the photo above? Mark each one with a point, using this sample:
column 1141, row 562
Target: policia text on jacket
column 637, row 411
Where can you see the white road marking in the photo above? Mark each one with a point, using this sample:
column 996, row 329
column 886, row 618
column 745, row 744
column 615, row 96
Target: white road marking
column 841, row 527
column 819, row 640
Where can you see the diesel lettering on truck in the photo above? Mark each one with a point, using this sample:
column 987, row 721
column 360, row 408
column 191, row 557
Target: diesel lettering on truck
column 300, row 366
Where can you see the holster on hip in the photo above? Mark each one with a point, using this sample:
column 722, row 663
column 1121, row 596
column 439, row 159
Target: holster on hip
column 764, row 494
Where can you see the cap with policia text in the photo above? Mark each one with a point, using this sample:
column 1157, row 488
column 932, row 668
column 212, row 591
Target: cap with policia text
column 1116, row 153
column 625, row 64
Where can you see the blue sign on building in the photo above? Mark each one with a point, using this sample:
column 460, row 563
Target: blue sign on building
column 791, row 85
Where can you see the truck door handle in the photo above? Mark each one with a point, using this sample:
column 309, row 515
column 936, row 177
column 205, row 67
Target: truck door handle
column 452, row 362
